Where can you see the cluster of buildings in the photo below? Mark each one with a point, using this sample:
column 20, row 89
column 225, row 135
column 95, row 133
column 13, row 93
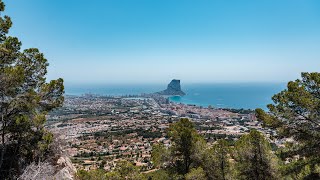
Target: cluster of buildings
column 103, row 130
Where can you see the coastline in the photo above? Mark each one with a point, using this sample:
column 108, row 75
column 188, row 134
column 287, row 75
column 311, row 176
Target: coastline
column 250, row 96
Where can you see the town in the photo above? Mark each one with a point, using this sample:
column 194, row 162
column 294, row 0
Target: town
column 102, row 130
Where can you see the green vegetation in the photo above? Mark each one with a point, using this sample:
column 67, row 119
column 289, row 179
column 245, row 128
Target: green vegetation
column 196, row 174
column 159, row 155
column 296, row 115
column 240, row 111
column 184, row 140
column 159, row 174
column 149, row 134
column 25, row 99
column 254, row 158
column 91, row 175
column 220, row 165
column 124, row 170
column 189, row 156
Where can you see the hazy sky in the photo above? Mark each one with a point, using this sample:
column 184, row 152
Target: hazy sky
column 144, row 41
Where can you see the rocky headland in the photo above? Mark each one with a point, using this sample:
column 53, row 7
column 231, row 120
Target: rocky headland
column 173, row 89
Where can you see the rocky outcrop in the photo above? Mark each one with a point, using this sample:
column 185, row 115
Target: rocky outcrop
column 62, row 169
column 173, row 89
column 68, row 170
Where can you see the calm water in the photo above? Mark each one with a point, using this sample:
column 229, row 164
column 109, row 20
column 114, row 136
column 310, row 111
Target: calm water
column 248, row 96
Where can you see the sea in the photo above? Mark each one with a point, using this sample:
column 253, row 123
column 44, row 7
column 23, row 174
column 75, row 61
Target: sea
column 224, row 95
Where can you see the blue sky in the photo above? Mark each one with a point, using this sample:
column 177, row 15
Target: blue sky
column 153, row 41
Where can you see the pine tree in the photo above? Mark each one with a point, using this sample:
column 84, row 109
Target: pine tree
column 25, row 99
column 215, row 160
column 254, row 158
column 221, row 159
column 184, row 137
column 295, row 115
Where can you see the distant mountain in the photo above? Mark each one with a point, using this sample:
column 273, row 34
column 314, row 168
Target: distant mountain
column 173, row 89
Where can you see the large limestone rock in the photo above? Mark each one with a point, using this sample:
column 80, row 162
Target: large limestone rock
column 173, row 89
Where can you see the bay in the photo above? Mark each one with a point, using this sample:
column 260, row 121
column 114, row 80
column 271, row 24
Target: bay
column 224, row 95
